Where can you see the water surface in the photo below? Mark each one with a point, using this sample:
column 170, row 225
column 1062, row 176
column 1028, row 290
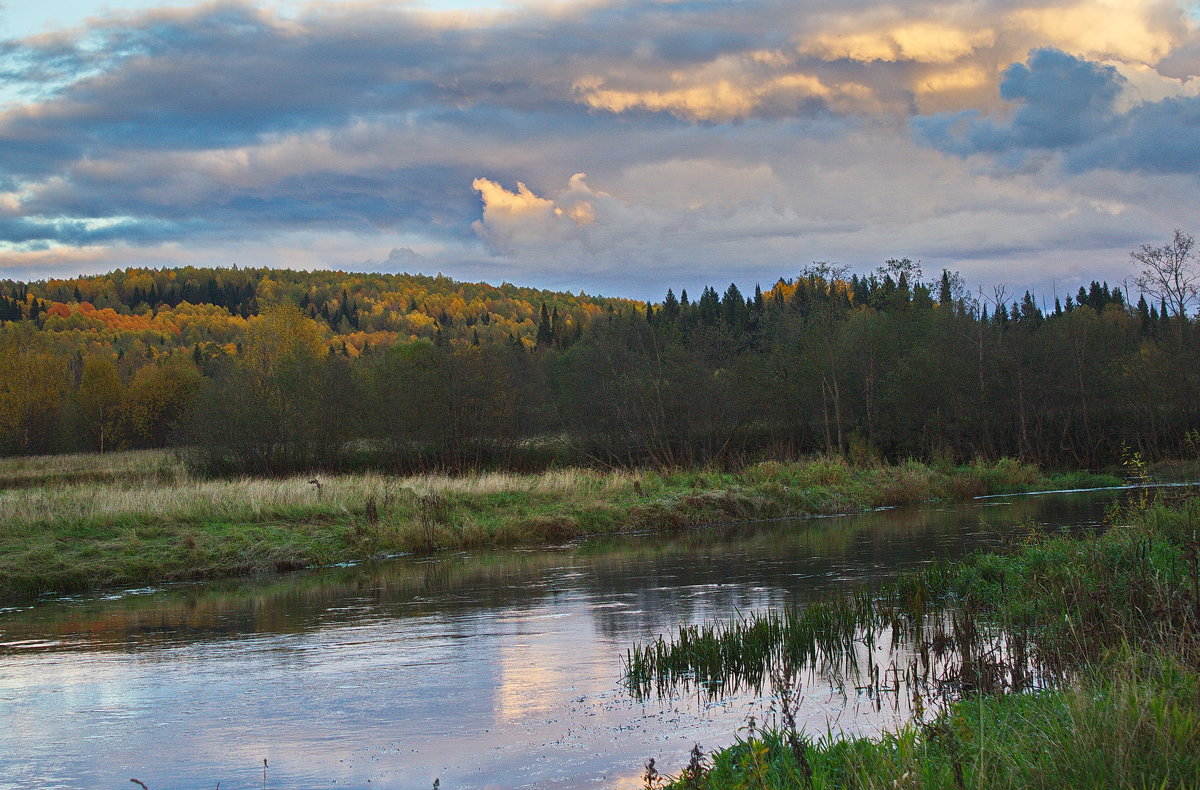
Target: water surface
column 481, row 669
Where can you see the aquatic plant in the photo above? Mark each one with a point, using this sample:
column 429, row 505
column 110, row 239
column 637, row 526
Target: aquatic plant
column 1058, row 617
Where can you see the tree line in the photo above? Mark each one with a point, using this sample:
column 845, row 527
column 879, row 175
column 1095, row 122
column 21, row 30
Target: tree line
column 884, row 365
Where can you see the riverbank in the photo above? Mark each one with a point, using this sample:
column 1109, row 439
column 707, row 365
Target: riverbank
column 1110, row 624
column 74, row 523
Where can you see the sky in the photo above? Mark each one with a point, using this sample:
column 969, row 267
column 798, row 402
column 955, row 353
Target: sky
column 617, row 147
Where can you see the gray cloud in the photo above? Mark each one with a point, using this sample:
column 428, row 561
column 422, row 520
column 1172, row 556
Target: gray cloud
column 1159, row 137
column 1062, row 101
column 1069, row 106
column 717, row 138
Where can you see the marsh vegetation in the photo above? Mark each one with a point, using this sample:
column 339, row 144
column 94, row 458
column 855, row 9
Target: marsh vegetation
column 1064, row 662
column 78, row 522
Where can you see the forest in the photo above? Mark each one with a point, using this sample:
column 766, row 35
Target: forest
column 272, row 372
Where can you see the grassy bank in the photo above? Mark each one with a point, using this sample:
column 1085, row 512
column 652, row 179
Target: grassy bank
column 1135, row 724
column 79, row 522
column 1108, row 627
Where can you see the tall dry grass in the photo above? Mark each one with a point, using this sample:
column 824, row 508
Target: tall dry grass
column 119, row 467
column 124, row 495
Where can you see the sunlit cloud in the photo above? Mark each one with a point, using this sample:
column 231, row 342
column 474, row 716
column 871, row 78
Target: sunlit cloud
column 726, row 99
column 921, row 42
column 731, row 140
column 1139, row 31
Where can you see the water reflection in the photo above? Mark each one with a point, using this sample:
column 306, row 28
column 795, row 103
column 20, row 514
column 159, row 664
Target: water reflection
column 484, row 669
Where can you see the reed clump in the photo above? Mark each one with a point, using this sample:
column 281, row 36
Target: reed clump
column 1131, row 724
column 1101, row 635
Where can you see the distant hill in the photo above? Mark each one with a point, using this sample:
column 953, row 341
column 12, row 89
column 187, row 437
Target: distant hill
column 152, row 311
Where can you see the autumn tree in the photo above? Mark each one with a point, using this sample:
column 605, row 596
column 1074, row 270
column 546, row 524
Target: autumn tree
column 158, row 396
column 99, row 400
column 31, row 389
column 264, row 413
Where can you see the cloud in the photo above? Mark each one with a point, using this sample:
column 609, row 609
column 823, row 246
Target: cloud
column 1161, row 137
column 399, row 259
column 718, row 138
column 1141, row 31
column 513, row 219
column 1088, row 115
column 923, row 42
column 1061, row 101
column 720, row 100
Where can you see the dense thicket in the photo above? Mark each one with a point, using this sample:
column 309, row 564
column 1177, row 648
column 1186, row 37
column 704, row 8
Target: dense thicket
column 274, row 371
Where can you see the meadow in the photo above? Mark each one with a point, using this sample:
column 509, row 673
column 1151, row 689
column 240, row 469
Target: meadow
column 79, row 522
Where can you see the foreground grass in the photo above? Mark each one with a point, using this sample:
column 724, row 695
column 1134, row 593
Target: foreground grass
column 79, row 522
column 1135, row 724
column 1114, row 715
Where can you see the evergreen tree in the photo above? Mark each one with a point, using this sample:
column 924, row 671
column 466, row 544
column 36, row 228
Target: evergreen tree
column 671, row 306
column 545, row 330
column 945, row 296
column 733, row 309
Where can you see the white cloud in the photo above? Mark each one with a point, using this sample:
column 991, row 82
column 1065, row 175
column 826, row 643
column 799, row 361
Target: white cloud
column 514, row 219
column 1144, row 84
column 720, row 140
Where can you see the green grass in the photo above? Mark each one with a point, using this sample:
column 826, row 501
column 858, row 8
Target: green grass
column 1058, row 603
column 1109, row 624
column 73, row 523
column 1133, row 725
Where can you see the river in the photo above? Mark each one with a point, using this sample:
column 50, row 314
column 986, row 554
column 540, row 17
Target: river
column 481, row 670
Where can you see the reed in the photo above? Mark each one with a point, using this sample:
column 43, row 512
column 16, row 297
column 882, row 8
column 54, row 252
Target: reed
column 1132, row 724
column 1102, row 632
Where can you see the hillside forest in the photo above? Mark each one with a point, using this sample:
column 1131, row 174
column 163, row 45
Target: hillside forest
column 271, row 371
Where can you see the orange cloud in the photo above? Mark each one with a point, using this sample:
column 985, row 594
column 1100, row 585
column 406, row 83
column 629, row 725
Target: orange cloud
column 921, row 42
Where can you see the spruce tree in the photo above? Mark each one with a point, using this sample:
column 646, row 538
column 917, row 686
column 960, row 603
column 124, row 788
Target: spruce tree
column 671, row 306
column 545, row 331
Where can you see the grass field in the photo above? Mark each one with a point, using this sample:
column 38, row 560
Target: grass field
column 79, row 522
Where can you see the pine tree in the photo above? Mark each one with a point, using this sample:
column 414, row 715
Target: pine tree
column 733, row 309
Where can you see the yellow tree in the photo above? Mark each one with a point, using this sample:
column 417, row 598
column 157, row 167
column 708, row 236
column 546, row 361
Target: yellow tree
column 281, row 356
column 30, row 389
column 99, row 399
column 281, row 337
column 157, row 397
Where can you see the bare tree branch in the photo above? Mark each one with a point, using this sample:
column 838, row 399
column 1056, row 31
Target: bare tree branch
column 1169, row 272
